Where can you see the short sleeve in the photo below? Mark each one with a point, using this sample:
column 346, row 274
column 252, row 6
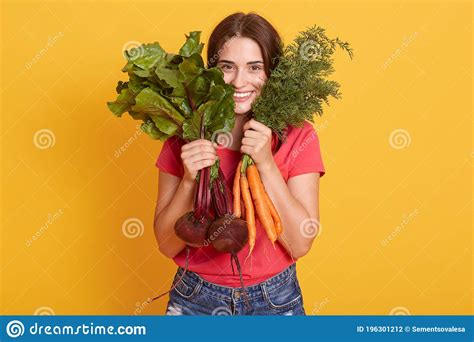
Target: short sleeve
column 305, row 156
column 169, row 160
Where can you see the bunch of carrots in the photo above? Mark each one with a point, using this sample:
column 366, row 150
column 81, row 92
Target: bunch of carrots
column 249, row 187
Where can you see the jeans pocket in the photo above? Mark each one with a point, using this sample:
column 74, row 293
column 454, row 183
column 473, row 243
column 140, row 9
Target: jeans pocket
column 283, row 297
column 187, row 289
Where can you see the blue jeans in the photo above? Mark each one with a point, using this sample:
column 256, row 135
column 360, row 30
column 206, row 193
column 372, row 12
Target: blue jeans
column 279, row 295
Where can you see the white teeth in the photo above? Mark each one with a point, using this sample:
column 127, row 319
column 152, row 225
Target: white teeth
column 242, row 94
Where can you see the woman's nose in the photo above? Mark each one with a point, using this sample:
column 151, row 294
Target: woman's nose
column 239, row 80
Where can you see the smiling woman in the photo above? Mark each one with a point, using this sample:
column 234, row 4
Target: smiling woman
column 246, row 47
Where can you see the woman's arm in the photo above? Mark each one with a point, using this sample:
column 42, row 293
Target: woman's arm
column 175, row 198
column 297, row 205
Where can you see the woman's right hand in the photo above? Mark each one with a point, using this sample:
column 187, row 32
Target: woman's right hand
column 197, row 155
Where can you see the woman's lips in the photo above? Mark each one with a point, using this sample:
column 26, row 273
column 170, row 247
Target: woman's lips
column 242, row 96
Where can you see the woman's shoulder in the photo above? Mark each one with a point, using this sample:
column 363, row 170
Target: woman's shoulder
column 173, row 143
column 301, row 152
column 296, row 134
column 169, row 159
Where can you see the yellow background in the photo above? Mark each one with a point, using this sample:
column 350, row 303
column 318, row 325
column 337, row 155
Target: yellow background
column 412, row 71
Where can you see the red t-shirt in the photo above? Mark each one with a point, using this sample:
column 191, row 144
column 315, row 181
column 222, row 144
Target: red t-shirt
column 299, row 154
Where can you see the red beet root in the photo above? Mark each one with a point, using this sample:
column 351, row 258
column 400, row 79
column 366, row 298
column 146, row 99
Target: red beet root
column 228, row 234
column 191, row 230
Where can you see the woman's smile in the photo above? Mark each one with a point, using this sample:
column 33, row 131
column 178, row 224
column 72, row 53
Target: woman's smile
column 243, row 96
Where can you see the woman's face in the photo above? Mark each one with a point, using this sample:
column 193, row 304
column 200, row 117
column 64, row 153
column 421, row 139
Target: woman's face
column 242, row 64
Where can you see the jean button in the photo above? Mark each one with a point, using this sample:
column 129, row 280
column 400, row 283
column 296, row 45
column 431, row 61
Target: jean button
column 237, row 294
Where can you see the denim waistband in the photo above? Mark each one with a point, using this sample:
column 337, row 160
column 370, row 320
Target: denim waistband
column 226, row 293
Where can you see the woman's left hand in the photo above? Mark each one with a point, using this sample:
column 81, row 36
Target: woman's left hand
column 257, row 143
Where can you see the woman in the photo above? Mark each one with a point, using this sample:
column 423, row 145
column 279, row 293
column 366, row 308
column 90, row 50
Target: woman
column 246, row 49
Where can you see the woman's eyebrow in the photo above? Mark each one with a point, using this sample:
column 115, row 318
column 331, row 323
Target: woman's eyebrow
column 230, row 62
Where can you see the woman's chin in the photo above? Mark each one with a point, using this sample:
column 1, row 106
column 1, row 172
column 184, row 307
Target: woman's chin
column 242, row 110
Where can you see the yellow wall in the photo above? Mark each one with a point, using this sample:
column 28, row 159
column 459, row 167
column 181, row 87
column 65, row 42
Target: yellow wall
column 410, row 79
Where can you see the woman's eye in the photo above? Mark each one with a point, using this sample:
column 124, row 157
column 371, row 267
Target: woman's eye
column 256, row 68
column 225, row 67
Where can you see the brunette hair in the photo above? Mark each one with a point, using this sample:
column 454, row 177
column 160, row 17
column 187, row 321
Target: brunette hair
column 251, row 26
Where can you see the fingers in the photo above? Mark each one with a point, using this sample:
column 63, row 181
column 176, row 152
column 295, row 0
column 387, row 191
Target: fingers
column 197, row 147
column 199, row 150
column 201, row 164
column 202, row 156
column 253, row 138
column 249, row 133
column 195, row 143
column 256, row 140
column 197, row 155
column 246, row 149
column 258, row 126
column 250, row 141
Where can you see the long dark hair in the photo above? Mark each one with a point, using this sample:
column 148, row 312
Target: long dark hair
column 251, row 26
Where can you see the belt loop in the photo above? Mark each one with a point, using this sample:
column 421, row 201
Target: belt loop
column 233, row 303
column 263, row 288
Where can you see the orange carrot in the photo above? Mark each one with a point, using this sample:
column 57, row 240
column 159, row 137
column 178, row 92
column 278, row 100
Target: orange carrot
column 257, row 189
column 236, row 190
column 277, row 228
column 274, row 213
column 249, row 211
